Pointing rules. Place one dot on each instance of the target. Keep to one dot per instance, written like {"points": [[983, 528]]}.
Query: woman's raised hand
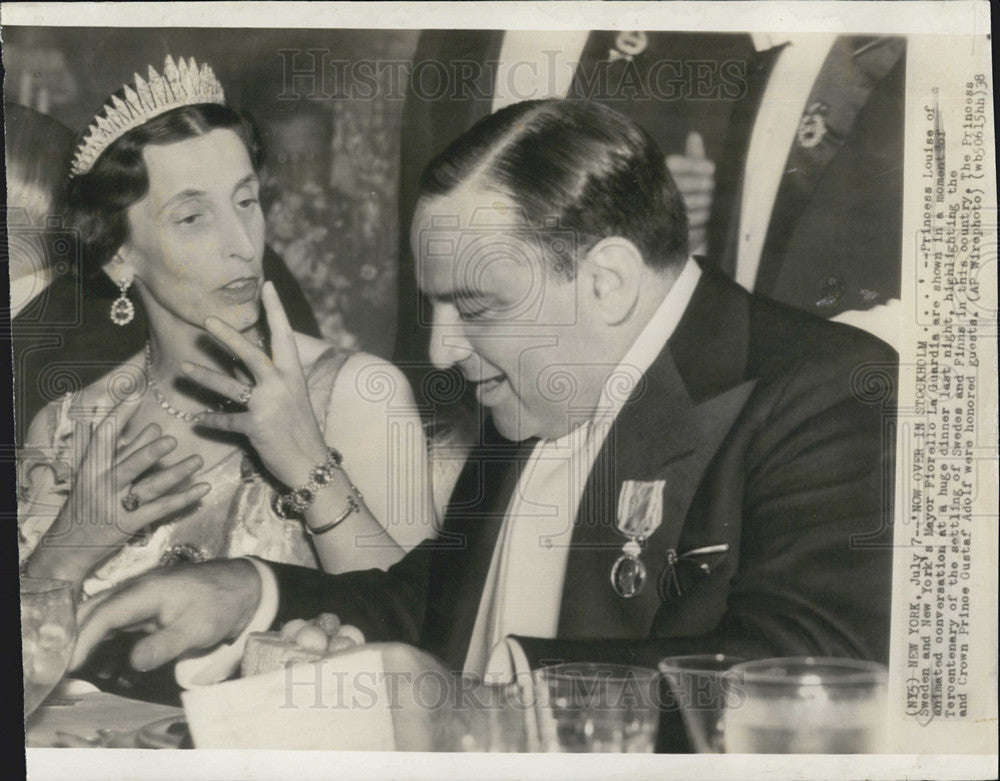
{"points": [[117, 492], [279, 419]]}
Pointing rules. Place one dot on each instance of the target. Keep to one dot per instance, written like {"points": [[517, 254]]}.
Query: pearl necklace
{"points": [[188, 417]]}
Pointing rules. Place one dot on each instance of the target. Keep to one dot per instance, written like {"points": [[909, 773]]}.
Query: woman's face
{"points": [[197, 239]]}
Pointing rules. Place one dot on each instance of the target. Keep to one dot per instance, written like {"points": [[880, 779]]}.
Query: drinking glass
{"points": [[487, 718], [697, 684], [48, 633], [591, 707], [806, 705]]}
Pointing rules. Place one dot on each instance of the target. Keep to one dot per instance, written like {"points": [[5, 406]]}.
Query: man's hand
{"points": [[184, 608], [695, 179]]}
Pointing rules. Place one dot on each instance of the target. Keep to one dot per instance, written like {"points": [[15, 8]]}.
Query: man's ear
{"points": [[613, 271]]}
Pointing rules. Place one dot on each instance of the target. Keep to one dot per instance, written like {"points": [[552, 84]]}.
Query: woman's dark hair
{"points": [[575, 167], [97, 200]]}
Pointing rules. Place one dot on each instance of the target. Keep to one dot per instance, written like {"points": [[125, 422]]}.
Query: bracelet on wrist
{"points": [[291, 504], [353, 506]]}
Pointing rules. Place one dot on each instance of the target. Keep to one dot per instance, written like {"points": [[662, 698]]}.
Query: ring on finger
{"points": [[245, 394], [131, 501]]}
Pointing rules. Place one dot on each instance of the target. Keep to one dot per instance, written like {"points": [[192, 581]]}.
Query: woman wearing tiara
{"points": [[229, 434]]}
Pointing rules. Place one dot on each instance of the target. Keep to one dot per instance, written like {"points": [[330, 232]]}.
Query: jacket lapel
{"points": [[463, 550], [723, 227], [670, 429], [852, 69]]}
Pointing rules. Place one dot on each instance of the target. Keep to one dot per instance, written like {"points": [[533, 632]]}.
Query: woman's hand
{"points": [[94, 522], [279, 421]]}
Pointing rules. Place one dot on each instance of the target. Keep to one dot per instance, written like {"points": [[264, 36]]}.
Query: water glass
{"points": [[591, 707], [48, 634], [487, 718], [806, 705]]}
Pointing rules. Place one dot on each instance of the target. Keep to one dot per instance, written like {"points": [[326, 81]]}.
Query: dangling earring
{"points": [[122, 309]]}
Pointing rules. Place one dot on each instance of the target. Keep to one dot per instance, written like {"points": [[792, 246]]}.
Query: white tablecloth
{"points": [[88, 710]]}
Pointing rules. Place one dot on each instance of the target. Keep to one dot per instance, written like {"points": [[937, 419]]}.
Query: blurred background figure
{"points": [[809, 187], [38, 149]]}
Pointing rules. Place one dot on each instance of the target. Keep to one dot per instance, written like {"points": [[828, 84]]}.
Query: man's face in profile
{"points": [[501, 314]]}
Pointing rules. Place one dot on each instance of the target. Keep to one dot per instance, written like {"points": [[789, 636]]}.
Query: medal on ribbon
{"points": [[640, 513]]}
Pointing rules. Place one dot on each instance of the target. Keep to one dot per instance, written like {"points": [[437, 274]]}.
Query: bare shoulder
{"points": [[363, 379], [370, 380], [310, 348]]}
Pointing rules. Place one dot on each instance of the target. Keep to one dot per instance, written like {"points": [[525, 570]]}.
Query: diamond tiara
{"points": [[183, 84]]}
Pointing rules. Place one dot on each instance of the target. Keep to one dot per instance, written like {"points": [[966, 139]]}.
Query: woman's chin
{"points": [[247, 322], [242, 318]]}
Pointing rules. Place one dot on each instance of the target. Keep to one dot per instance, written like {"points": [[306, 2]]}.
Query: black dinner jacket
{"points": [[772, 431], [834, 240]]}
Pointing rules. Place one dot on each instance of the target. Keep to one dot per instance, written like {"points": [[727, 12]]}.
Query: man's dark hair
{"points": [[97, 200], [574, 164]]}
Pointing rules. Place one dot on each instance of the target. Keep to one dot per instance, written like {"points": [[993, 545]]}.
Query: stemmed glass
{"points": [[48, 634]]}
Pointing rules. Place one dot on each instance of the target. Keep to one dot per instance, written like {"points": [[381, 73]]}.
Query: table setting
{"points": [[393, 697]]}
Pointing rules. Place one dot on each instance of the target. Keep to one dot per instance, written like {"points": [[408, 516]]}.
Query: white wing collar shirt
{"points": [[523, 589]]}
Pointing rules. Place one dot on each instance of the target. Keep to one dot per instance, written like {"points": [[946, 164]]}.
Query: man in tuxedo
{"points": [[668, 465]]}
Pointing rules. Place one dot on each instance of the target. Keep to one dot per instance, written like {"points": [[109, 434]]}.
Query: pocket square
{"points": [[684, 571]]}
